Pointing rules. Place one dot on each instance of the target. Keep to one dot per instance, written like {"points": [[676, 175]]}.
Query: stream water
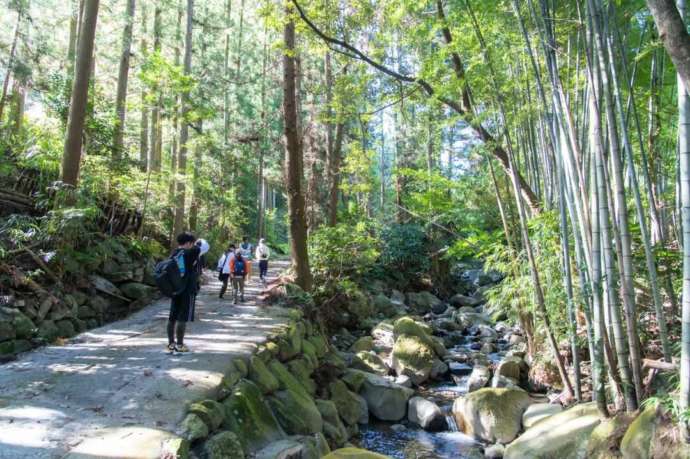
{"points": [[406, 440]]}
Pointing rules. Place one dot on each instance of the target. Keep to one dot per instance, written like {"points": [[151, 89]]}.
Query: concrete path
{"points": [[113, 391]]}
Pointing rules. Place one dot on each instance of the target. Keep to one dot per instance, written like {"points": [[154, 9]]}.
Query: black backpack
{"points": [[168, 277]]}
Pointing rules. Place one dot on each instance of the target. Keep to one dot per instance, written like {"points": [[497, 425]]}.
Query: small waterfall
{"points": [[452, 425]]}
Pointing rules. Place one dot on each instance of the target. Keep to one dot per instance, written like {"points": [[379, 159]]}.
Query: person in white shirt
{"points": [[262, 254], [224, 268]]}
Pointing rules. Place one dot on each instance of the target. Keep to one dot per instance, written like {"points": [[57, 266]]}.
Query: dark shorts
{"points": [[182, 308]]}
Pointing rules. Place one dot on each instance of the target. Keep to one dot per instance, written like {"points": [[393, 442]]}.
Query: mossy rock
{"points": [[604, 441], [564, 435], [241, 366], [408, 326], [285, 379], [194, 428], [296, 412], [368, 361], [230, 378], [385, 399], [322, 444], [22, 345], [354, 453], [175, 448], [334, 360], [309, 354], [48, 331], [383, 305], [301, 370], [210, 411], [223, 445], [250, 418], [492, 415], [23, 326], [259, 374], [351, 407], [290, 343], [637, 441], [365, 343], [413, 357], [65, 328], [7, 348], [7, 330], [333, 427], [320, 344], [353, 379]]}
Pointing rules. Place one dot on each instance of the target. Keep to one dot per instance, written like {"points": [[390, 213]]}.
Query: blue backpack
{"points": [[239, 267]]}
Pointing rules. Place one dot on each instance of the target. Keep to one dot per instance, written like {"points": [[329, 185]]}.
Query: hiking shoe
{"points": [[181, 348], [170, 348], [242, 299], [234, 301]]}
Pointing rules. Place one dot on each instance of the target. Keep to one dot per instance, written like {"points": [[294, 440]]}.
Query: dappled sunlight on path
{"points": [[115, 386]]}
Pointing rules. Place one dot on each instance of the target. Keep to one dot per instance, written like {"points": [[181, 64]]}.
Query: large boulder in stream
{"points": [[426, 414], [422, 302], [369, 361], [458, 300], [413, 358], [492, 415], [408, 326], [564, 435], [386, 400], [539, 411], [479, 378]]}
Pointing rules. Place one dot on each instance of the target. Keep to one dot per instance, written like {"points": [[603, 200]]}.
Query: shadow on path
{"points": [[113, 391]]}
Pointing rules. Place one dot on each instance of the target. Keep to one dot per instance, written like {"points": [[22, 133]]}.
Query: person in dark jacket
{"points": [[182, 305]]}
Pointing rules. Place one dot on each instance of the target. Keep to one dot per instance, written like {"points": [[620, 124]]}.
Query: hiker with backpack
{"points": [[247, 250], [262, 254], [178, 277], [224, 268], [239, 269]]}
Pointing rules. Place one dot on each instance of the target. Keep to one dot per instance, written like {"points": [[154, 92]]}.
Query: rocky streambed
{"points": [[436, 379]]}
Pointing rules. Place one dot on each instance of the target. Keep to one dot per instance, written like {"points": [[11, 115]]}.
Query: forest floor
{"points": [[114, 391]]}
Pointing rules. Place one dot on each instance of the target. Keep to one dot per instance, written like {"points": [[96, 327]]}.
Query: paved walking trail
{"points": [[113, 391]]}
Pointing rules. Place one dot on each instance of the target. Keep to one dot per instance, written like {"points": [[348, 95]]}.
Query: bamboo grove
{"points": [[550, 135]]}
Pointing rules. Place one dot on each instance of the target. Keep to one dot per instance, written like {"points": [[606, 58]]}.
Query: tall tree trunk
{"points": [[296, 205], [176, 111], [263, 141], [122, 77], [536, 278], [684, 160], [10, 61], [673, 34], [184, 127], [71, 159], [155, 133], [619, 199], [334, 173], [144, 125], [226, 75]]}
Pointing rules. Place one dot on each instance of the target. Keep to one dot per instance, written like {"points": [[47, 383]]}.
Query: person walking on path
{"points": [[187, 254], [262, 254], [224, 268], [247, 250], [239, 271]]}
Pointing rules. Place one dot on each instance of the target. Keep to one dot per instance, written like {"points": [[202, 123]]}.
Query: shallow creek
{"points": [[406, 440]]}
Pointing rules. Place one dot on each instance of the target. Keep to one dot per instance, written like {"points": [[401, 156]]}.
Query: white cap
{"points": [[203, 246]]}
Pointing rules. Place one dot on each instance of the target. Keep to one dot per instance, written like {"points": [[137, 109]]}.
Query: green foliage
{"points": [[516, 292], [343, 252], [404, 249]]}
